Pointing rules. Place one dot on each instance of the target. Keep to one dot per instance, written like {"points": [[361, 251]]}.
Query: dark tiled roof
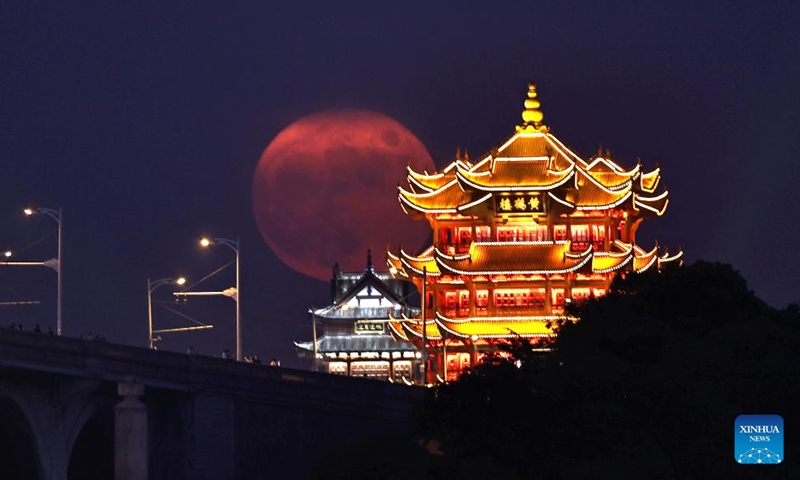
{"points": [[357, 343]]}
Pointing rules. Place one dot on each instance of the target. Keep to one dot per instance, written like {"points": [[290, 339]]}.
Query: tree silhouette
{"points": [[646, 385]]}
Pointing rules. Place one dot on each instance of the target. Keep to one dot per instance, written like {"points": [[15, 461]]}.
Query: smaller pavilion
{"points": [[355, 339]]}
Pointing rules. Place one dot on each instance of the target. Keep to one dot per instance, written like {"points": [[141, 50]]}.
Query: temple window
{"points": [[446, 236], [505, 235], [535, 233], [537, 297], [557, 299], [337, 368], [464, 238], [449, 300], [580, 237], [456, 363], [560, 233], [463, 303], [481, 301], [455, 303], [599, 237], [519, 297], [538, 233], [581, 293]]}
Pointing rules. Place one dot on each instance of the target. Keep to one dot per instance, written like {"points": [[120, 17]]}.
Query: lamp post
{"points": [[424, 312], [233, 245], [57, 216], [151, 286]]}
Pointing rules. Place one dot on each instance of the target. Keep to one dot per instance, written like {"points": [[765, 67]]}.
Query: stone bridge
{"points": [[86, 409]]}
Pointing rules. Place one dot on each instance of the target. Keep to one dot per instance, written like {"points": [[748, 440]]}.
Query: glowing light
{"points": [[28, 211], [476, 202], [536, 278], [205, 242], [462, 177], [666, 258], [7, 254], [180, 281]]}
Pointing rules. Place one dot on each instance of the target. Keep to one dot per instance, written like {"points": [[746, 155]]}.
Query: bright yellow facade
{"points": [[517, 234]]}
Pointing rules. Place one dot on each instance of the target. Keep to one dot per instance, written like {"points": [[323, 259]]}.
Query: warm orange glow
{"points": [[527, 230], [28, 211], [205, 242]]}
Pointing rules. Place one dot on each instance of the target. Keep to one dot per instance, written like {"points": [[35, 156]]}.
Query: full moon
{"points": [[325, 191]]}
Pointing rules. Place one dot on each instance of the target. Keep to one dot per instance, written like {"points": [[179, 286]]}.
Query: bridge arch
{"points": [[19, 449], [91, 442]]}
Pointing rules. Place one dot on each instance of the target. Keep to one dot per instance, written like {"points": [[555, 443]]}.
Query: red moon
{"points": [[325, 191]]}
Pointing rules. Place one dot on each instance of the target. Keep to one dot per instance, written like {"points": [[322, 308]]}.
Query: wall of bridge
{"points": [[205, 418]]}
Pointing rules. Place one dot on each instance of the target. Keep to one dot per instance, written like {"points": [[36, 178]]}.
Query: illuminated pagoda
{"points": [[518, 234], [355, 340]]}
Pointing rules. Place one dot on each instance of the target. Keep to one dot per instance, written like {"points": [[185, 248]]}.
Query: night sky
{"points": [[146, 122]]}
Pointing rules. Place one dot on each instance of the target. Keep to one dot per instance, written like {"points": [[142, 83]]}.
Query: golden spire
{"points": [[532, 115]]}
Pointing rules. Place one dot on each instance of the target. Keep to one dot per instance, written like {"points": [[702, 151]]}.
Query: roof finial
{"points": [[532, 115], [370, 267]]}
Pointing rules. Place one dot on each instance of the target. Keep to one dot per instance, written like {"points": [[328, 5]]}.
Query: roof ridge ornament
{"points": [[532, 115], [370, 267]]}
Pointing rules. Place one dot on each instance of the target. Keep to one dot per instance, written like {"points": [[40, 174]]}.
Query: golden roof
{"points": [[395, 265], [651, 205], [667, 258], [538, 146], [413, 329], [499, 327], [446, 199], [590, 194], [610, 175], [643, 261], [532, 159], [397, 331], [570, 182], [605, 262], [517, 175], [526, 258], [649, 181], [419, 264], [428, 182]]}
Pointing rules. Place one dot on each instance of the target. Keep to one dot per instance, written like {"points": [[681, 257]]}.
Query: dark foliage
{"points": [[646, 385]]}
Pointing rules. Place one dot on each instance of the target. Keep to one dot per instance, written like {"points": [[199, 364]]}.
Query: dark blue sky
{"points": [[146, 123]]}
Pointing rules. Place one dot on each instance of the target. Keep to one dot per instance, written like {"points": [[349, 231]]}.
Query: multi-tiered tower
{"points": [[524, 230]]}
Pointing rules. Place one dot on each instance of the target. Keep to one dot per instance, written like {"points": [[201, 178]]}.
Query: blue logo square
{"points": [[758, 439]]}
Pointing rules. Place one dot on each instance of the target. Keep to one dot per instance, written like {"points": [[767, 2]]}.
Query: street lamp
{"points": [[233, 245], [57, 216], [151, 286]]}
